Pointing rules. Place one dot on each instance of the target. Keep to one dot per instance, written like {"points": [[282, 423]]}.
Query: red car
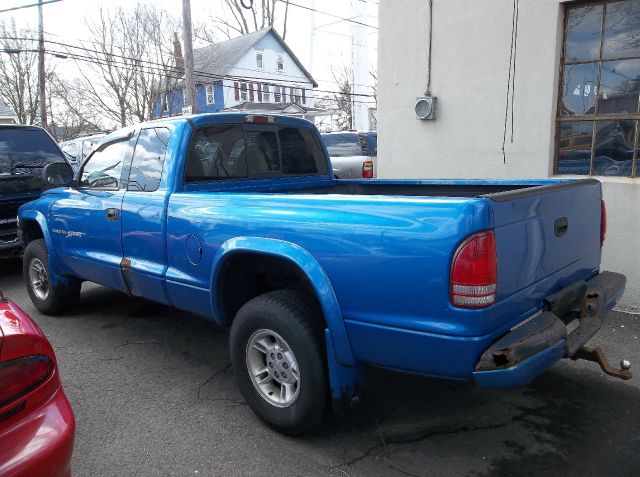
{"points": [[37, 426]]}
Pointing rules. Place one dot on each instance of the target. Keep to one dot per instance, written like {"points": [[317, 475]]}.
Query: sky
{"points": [[64, 21]]}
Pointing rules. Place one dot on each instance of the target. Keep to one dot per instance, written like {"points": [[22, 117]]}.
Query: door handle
{"points": [[113, 214]]}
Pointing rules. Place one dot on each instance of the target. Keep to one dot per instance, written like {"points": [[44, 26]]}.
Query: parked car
{"points": [[24, 151], [237, 218], [36, 421], [76, 150], [353, 154]]}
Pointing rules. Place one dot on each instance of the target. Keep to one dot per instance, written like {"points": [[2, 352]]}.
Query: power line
{"points": [[45, 2], [164, 68], [304, 7]]}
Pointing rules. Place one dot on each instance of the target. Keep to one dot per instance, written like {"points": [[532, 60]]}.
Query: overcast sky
{"points": [[64, 21]]}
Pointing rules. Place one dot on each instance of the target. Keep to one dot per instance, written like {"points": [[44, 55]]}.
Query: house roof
{"points": [[220, 58], [278, 108], [6, 111]]}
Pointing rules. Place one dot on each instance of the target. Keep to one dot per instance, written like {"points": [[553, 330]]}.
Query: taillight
{"points": [[19, 376], [259, 119], [603, 222], [474, 272], [367, 170]]}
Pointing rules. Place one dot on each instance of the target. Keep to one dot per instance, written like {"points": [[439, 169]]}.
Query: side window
{"points": [[301, 153], [71, 150], [262, 152], [216, 152], [104, 169], [148, 159], [342, 144]]}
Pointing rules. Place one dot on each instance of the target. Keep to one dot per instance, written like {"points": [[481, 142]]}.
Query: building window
{"points": [[266, 93], [298, 96], [243, 91], [165, 102], [259, 62], [280, 63], [598, 112], [211, 99], [277, 98]]}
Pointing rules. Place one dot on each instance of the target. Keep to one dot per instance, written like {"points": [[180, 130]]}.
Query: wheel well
{"points": [[246, 275], [30, 231]]}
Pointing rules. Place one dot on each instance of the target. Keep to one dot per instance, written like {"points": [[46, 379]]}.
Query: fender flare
{"points": [[308, 265], [55, 268]]}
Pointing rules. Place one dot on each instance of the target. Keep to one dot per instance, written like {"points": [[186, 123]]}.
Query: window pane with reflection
{"points": [[574, 147], [614, 148], [622, 30], [579, 87], [583, 33]]}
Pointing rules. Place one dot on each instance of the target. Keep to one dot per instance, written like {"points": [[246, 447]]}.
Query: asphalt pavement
{"points": [[153, 394]]}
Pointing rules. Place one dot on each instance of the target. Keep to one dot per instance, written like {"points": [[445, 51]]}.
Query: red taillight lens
{"points": [[603, 222], [474, 272], [19, 376], [259, 119], [367, 170]]}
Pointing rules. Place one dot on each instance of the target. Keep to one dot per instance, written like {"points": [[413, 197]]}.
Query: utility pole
{"points": [[189, 77], [41, 73]]}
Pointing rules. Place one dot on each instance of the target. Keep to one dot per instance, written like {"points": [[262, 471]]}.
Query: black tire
{"points": [[298, 320], [59, 298]]}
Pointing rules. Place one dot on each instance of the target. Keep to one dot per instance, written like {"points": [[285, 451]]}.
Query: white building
{"points": [[575, 89], [7, 114]]}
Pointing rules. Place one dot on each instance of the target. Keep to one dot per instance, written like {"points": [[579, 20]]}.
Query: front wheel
{"points": [[279, 361], [45, 297]]}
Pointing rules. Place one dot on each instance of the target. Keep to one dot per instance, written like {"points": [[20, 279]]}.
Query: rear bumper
{"points": [[40, 443], [535, 345]]}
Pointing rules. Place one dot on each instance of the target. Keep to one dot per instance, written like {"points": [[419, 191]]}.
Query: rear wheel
{"points": [[279, 361], [45, 297]]}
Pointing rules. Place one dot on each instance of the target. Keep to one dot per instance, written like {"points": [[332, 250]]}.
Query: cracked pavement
{"points": [[153, 394]]}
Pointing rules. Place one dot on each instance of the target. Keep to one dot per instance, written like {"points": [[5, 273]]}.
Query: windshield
{"points": [[23, 150]]}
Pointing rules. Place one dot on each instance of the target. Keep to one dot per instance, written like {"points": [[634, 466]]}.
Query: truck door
{"points": [[85, 220], [144, 217]]}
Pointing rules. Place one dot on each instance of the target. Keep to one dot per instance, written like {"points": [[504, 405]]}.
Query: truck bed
{"points": [[494, 190]]}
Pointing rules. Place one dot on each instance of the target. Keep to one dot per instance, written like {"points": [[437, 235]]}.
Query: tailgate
{"points": [[547, 237]]}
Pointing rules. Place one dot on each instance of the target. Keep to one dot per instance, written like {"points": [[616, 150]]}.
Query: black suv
{"points": [[24, 152]]}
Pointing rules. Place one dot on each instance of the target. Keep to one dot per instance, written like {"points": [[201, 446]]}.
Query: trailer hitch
{"points": [[597, 356]]}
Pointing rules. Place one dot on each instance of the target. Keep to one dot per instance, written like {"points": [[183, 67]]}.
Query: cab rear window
{"points": [[223, 152]]}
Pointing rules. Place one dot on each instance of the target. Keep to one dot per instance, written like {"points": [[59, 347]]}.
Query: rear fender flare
{"points": [[309, 266]]}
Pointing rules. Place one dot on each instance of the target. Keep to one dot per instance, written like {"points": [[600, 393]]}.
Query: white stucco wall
{"points": [[470, 65]]}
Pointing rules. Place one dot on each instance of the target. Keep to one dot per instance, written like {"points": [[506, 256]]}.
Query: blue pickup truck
{"points": [[238, 218]]}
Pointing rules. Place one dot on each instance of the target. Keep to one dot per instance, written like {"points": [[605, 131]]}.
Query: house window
{"points": [[243, 91], [280, 63], [266, 93], [165, 102], [277, 98], [600, 85], [210, 95], [298, 96], [259, 62]]}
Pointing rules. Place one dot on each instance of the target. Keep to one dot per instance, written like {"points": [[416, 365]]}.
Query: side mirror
{"points": [[57, 174]]}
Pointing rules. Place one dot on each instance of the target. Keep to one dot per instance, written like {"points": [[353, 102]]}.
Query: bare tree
{"points": [[71, 114], [127, 62], [238, 20], [342, 97], [19, 73]]}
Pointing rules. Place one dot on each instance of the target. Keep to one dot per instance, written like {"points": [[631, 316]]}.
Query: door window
{"points": [[103, 170], [148, 159]]}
